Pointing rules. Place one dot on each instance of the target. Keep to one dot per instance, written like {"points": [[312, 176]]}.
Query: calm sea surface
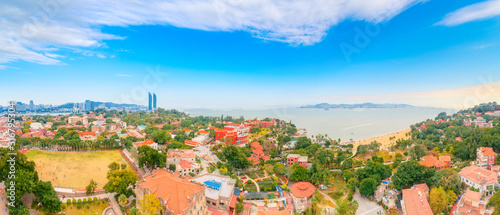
{"points": [[356, 124]]}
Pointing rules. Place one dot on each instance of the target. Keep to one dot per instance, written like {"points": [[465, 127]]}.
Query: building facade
{"points": [[479, 178], [219, 190], [486, 157]]}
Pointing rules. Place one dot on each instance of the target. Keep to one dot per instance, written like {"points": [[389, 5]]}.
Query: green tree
{"points": [[235, 157], [440, 200], [299, 173], [26, 177], [410, 173], [48, 196], [122, 199], [172, 167], [161, 137], [91, 187], [278, 168], [151, 157], [448, 179], [239, 207], [418, 151], [119, 182], [368, 186]]}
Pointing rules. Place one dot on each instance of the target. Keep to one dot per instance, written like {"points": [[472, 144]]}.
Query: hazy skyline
{"points": [[252, 54]]}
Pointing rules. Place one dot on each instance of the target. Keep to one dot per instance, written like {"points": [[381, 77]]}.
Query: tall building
{"points": [[150, 102], [89, 105], [32, 106], [154, 100]]}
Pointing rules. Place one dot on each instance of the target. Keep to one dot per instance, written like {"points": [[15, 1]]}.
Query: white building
{"points": [[479, 178]]}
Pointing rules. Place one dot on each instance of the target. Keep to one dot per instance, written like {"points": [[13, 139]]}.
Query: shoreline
{"points": [[383, 140]]}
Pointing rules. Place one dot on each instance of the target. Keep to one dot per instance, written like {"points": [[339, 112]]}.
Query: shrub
{"points": [[87, 206], [79, 201], [68, 201], [95, 199], [79, 206], [84, 200], [73, 201], [63, 206], [89, 199], [350, 197]]}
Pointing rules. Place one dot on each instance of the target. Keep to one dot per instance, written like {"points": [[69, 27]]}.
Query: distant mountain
{"points": [[363, 105], [97, 104]]}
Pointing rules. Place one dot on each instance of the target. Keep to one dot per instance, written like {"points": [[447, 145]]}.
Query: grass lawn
{"points": [[74, 169]]}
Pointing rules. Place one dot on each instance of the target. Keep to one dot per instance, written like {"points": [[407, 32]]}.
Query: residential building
{"points": [[136, 134], [98, 129], [185, 167], [174, 156], [232, 136], [479, 178], [486, 157], [439, 164], [72, 120], [87, 136], [146, 142], [471, 203], [415, 201], [219, 190], [257, 153], [292, 159], [176, 195]]}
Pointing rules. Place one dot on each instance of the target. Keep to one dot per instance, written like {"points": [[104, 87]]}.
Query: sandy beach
{"points": [[384, 140]]}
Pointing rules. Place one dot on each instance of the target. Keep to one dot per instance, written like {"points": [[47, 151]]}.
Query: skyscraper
{"points": [[32, 106], [154, 101], [150, 107], [89, 105]]}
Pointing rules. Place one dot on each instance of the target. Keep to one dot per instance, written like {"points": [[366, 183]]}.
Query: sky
{"points": [[251, 54]]}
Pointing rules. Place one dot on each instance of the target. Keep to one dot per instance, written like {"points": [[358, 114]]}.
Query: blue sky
{"points": [[245, 55]]}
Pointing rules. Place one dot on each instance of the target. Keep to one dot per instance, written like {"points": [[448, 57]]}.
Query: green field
{"points": [[74, 169]]}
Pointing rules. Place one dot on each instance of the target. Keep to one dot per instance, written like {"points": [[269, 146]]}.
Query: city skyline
{"points": [[352, 51]]}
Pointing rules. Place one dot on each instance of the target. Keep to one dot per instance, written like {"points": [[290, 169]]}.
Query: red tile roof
{"points": [[302, 189], [176, 193], [479, 175], [416, 202], [487, 151], [146, 142]]}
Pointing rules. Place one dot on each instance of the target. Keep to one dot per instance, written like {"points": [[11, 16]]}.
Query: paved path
{"points": [[366, 207], [111, 196], [328, 197], [256, 185]]}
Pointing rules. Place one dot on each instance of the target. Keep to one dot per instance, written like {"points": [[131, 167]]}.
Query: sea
{"points": [[346, 124]]}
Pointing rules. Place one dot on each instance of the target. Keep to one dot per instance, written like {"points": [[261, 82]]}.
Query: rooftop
{"points": [[225, 189], [416, 202], [302, 189], [479, 175]]}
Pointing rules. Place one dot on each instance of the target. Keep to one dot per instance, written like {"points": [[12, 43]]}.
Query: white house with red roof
{"points": [[479, 178], [87, 136]]}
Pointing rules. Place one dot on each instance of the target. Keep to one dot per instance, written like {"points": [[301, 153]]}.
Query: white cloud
{"points": [[474, 12], [29, 28]]}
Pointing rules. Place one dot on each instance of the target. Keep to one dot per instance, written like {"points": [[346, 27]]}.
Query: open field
{"points": [[385, 141], [74, 169]]}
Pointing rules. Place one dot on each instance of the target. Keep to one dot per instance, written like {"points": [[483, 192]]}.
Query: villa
{"points": [[479, 178], [175, 156], [167, 187], [486, 157], [415, 201], [438, 164], [292, 159], [146, 142]]}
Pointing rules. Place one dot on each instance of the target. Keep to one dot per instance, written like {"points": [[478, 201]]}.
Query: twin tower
{"points": [[152, 102]]}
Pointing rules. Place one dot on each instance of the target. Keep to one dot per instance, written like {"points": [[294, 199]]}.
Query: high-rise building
{"points": [[154, 101], [32, 106], [89, 105], [150, 102]]}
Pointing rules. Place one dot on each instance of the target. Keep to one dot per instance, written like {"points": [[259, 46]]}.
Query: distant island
{"points": [[363, 105]]}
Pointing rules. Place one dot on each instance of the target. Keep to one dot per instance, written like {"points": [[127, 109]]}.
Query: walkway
{"points": [[256, 185], [328, 197], [110, 196]]}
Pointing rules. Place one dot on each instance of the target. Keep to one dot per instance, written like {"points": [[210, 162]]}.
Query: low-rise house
{"points": [[219, 190], [415, 201], [176, 195], [471, 203], [185, 167], [146, 142], [257, 153], [479, 178], [384, 194], [175, 156], [87, 136], [486, 157], [136, 134], [292, 159], [439, 164]]}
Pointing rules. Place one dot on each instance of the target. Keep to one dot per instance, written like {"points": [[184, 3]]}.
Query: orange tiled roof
{"points": [[479, 175], [303, 189], [176, 193], [285, 212], [203, 132], [487, 151], [145, 142], [87, 133], [185, 164], [416, 202]]}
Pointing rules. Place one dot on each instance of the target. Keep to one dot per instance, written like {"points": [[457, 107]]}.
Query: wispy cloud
{"points": [[478, 11], [33, 27], [483, 46], [123, 75]]}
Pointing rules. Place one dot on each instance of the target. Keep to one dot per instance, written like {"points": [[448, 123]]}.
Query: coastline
{"points": [[383, 140]]}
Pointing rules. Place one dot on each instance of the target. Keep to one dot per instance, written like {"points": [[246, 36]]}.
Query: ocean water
{"points": [[346, 124]]}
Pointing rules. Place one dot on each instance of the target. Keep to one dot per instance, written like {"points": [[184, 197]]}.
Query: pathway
{"points": [[328, 197], [256, 185], [110, 196]]}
